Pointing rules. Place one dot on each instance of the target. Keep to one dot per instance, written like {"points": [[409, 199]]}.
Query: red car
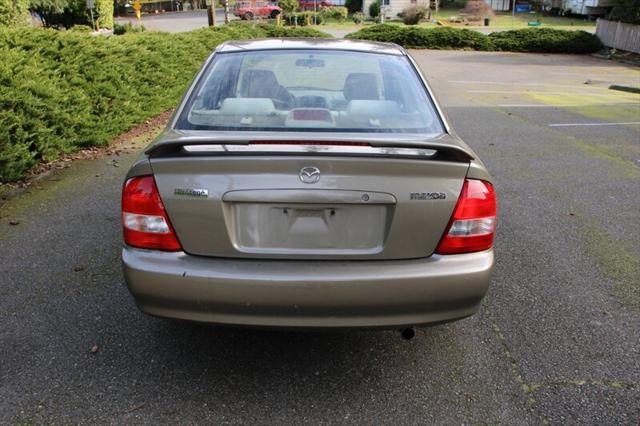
{"points": [[310, 5], [256, 9]]}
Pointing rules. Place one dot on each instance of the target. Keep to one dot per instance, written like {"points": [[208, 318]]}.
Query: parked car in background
{"points": [[310, 184], [310, 5], [256, 9]]}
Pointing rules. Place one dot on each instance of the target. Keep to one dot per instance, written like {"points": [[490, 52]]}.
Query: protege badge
{"points": [[428, 196], [192, 192]]}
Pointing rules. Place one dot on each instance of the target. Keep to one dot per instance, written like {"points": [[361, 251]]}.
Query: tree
{"points": [[104, 9], [354, 6], [288, 6], [61, 13], [627, 11], [13, 12], [374, 9]]}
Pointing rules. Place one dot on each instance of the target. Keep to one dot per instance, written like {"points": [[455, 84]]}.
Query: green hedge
{"points": [[14, 12], [64, 90], [546, 40], [524, 40], [425, 38]]}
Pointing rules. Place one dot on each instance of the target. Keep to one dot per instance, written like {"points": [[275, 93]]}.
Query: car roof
{"points": [[310, 43]]}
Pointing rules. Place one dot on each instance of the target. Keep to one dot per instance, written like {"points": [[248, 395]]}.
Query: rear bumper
{"points": [[310, 294]]}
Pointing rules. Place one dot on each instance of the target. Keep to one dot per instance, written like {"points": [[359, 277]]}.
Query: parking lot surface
{"points": [[556, 340]]}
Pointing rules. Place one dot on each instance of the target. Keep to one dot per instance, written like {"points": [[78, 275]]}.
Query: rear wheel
{"points": [[274, 14], [248, 16]]}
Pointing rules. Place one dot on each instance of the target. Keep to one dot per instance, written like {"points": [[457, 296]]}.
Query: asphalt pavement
{"points": [[556, 340]]}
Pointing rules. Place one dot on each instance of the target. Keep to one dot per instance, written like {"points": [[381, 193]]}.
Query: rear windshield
{"points": [[310, 90]]}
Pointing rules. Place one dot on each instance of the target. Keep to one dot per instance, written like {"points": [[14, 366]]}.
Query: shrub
{"points": [[14, 12], [62, 13], [425, 38], [304, 18], [64, 90], [81, 29], [337, 12], [358, 18], [543, 40], [627, 11], [374, 9], [478, 9], [412, 15], [281, 32], [546, 40], [119, 29]]}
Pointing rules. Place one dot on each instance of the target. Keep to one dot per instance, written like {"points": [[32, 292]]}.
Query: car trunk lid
{"points": [[308, 200]]}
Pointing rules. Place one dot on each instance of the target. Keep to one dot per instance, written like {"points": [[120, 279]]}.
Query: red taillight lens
{"points": [[473, 223], [144, 220]]}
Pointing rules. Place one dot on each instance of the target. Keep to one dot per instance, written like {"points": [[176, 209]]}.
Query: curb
{"points": [[620, 88]]}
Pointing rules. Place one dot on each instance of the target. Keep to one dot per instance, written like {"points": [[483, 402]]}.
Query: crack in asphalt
{"points": [[516, 375]]}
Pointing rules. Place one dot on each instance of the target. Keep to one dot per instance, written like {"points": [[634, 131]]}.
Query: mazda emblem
{"points": [[309, 174]]}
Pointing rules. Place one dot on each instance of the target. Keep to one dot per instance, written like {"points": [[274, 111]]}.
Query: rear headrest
{"points": [[360, 85], [259, 84], [247, 106]]}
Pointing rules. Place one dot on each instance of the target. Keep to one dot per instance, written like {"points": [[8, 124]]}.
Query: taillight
{"points": [[144, 220], [473, 222]]}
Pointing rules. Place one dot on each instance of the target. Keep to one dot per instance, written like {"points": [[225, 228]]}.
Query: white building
{"points": [[394, 7], [588, 7]]}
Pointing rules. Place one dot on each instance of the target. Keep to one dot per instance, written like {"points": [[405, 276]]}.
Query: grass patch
{"points": [[502, 20], [62, 91], [616, 260], [520, 20]]}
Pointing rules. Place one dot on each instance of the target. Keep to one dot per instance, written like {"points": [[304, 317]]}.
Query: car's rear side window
{"points": [[315, 90]]}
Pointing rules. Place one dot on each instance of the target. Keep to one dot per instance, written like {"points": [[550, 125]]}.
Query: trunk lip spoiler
{"points": [[175, 147]]}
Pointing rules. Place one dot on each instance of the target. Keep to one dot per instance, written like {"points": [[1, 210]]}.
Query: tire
{"points": [[248, 16], [274, 14]]}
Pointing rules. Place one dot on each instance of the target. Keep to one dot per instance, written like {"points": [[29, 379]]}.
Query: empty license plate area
{"points": [[322, 229]]}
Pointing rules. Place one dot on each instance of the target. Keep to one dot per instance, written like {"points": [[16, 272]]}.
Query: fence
{"points": [[619, 35]]}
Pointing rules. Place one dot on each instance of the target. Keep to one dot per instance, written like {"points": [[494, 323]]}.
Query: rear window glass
{"points": [[310, 90]]}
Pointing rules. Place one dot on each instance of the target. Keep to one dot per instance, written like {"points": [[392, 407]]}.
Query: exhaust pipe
{"points": [[408, 333]]}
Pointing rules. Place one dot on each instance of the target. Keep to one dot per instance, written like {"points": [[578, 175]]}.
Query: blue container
{"points": [[523, 8]]}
